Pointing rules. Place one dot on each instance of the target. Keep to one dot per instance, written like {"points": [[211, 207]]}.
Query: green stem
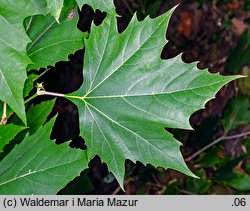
{"points": [[216, 142], [38, 93], [31, 98], [74, 97], [45, 71], [128, 7]]}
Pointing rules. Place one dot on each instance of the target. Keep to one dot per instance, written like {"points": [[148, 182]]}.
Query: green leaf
{"points": [[39, 166], [172, 188], [51, 41], [240, 55], [130, 95], [227, 175], [7, 133], [198, 186], [103, 5], [237, 114], [55, 7], [13, 56], [247, 168], [211, 158], [13, 63], [38, 114]]}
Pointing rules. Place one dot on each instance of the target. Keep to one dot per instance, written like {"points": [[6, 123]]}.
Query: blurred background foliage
{"points": [[214, 32]]}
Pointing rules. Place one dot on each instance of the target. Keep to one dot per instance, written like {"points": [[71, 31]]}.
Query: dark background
{"points": [[213, 32]]}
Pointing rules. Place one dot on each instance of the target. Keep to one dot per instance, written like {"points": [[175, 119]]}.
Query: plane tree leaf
{"points": [[13, 63], [51, 41], [130, 95], [237, 113], [103, 5], [38, 166], [13, 56], [228, 175]]}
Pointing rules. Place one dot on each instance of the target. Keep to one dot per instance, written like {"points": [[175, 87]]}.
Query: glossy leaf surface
{"points": [[130, 95]]}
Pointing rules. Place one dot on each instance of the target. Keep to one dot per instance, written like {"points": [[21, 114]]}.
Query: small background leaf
{"points": [[237, 114], [13, 56], [228, 175], [239, 56]]}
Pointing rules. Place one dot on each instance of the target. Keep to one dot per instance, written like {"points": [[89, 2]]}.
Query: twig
{"points": [[45, 71], [41, 91], [215, 142], [186, 192], [50, 93], [128, 7], [116, 191], [4, 115]]}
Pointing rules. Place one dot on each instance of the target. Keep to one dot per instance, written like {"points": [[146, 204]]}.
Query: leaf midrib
{"points": [[153, 94]]}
